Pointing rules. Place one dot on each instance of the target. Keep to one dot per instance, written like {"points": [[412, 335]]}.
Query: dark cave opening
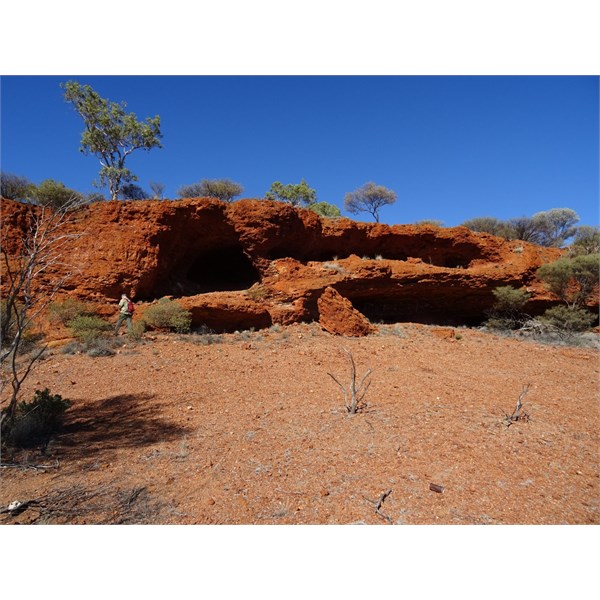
{"points": [[222, 270], [429, 311]]}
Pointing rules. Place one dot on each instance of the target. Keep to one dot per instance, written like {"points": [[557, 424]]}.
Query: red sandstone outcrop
{"points": [[253, 263], [338, 316]]}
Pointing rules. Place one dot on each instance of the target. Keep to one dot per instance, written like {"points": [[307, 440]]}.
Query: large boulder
{"points": [[338, 316]]}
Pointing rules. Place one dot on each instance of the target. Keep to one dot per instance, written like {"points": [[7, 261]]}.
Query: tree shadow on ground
{"points": [[124, 421]]}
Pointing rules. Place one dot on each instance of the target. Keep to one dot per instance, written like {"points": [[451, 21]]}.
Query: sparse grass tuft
{"points": [[257, 292]]}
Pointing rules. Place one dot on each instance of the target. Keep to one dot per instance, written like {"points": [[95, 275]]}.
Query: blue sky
{"points": [[452, 148]]}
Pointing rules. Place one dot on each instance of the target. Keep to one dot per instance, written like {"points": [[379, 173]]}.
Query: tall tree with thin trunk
{"points": [[111, 134]]}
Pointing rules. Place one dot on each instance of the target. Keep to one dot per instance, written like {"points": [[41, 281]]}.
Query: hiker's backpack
{"points": [[130, 307]]}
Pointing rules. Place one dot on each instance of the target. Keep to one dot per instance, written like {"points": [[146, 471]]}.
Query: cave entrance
{"points": [[222, 270], [431, 310]]}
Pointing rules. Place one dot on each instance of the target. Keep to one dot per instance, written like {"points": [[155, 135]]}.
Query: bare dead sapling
{"points": [[517, 415], [354, 393], [40, 252]]}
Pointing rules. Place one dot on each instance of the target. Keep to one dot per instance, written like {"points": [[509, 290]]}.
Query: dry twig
{"points": [[354, 394], [510, 419], [379, 503]]}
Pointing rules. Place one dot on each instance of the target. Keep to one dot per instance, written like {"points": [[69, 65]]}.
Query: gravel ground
{"points": [[250, 428]]}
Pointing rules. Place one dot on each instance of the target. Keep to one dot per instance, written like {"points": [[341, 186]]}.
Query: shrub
{"points": [[88, 327], [572, 280], [507, 310], [54, 194], [223, 189], [131, 191], [14, 187], [490, 225], [586, 241], [37, 420], [168, 314], [63, 311], [325, 209], [568, 320], [137, 330], [430, 222], [296, 194]]}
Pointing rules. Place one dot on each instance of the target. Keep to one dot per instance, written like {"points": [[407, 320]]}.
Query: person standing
{"points": [[125, 314]]}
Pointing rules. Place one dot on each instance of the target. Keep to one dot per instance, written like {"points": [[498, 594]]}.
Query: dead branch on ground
{"points": [[517, 415], [379, 503]]}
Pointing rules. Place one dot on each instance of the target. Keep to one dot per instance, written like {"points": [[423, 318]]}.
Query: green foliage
{"points": [[222, 189], [507, 310], [54, 194], [490, 225], [369, 198], [568, 320], [63, 311], [510, 299], [586, 241], [168, 314], [14, 187], [325, 209], [111, 134], [555, 226], [572, 280], [547, 228], [37, 420], [296, 194], [137, 330], [88, 327]]}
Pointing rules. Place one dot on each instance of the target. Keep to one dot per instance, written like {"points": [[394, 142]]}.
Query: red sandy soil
{"points": [[253, 430]]}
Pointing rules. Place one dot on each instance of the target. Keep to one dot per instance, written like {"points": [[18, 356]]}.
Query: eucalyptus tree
{"points": [[111, 134]]}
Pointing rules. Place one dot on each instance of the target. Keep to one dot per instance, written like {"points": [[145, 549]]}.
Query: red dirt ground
{"points": [[253, 430]]}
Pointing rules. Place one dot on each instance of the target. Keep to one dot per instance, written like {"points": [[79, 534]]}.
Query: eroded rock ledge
{"points": [[254, 262]]}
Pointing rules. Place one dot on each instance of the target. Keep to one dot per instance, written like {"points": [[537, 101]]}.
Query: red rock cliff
{"points": [[254, 262]]}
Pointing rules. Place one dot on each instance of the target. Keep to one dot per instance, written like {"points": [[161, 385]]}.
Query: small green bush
{"points": [[168, 314], [63, 311], [37, 420], [568, 320], [137, 330], [507, 310], [88, 327]]}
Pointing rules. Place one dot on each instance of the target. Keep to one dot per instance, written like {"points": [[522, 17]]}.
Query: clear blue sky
{"points": [[452, 148]]}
